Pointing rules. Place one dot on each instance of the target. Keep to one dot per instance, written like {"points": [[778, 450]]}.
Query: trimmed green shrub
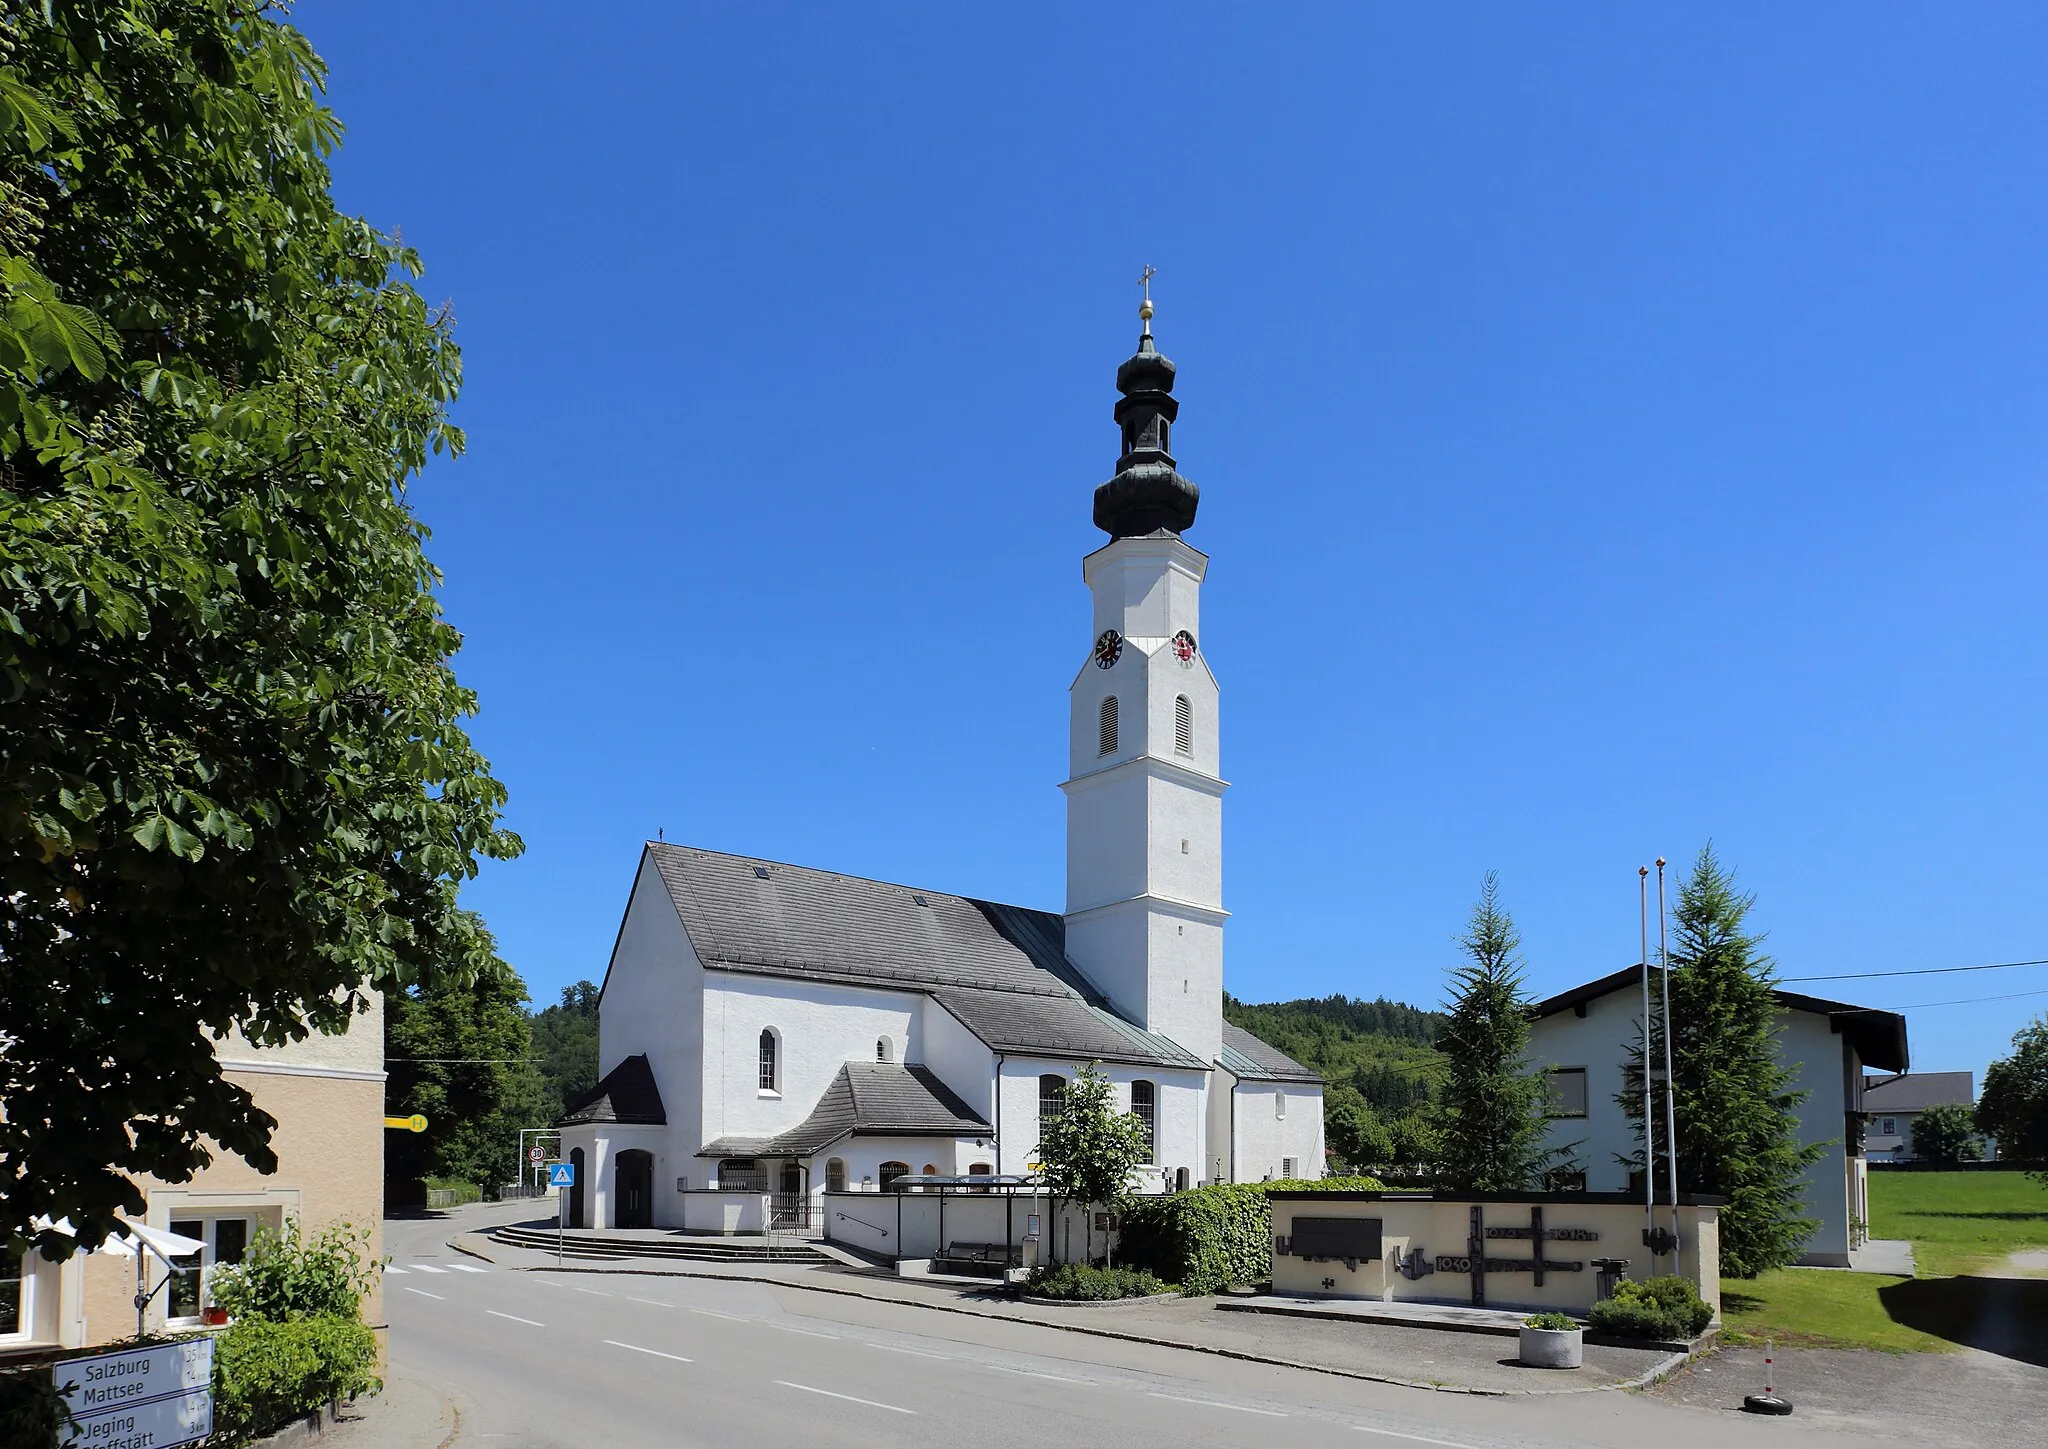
{"points": [[1665, 1308], [1097, 1285], [1211, 1237], [283, 1276], [1558, 1321], [267, 1374]]}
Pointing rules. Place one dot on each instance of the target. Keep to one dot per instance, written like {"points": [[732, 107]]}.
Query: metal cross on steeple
{"points": [[1145, 308]]}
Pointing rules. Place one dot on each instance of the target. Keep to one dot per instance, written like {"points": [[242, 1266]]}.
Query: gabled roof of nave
{"points": [[1001, 970]]}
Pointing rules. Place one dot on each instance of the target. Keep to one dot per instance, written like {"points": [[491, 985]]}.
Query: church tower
{"points": [[1144, 798]]}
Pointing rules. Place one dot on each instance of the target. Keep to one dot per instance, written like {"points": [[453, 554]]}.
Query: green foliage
{"points": [[1738, 1134], [1947, 1133], [284, 1276], [1658, 1308], [1210, 1238], [565, 1042], [266, 1374], [1491, 1120], [2013, 1107], [1090, 1150], [457, 1191], [33, 1414], [236, 790], [478, 1094], [1558, 1322], [1083, 1284]]}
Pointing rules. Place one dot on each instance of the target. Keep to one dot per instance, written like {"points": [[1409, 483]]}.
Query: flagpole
{"points": [[1649, 1107], [1670, 1092]]}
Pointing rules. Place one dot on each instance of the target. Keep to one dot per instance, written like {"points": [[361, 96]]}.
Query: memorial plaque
{"points": [[1351, 1238]]}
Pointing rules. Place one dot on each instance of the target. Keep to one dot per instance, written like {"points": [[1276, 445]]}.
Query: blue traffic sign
{"points": [[561, 1174]]}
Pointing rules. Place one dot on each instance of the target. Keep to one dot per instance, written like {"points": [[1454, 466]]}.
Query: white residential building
{"points": [[1582, 1037], [793, 1030]]}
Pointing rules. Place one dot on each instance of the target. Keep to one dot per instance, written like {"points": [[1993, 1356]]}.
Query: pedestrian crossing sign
{"points": [[561, 1174]]}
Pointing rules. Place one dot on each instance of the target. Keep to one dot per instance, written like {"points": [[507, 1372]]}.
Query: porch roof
{"points": [[866, 1099]]}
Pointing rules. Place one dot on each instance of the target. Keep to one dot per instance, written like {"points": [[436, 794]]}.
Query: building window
{"points": [[1567, 1091], [1887, 1127], [1287, 1168], [226, 1240], [14, 1308], [981, 1169], [889, 1172], [1279, 1105], [1145, 1105], [1183, 726], [768, 1060], [1052, 1097], [931, 1169], [1107, 745], [835, 1175], [883, 1051]]}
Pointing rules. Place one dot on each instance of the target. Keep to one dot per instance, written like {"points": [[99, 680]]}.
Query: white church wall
{"points": [[959, 1058], [1178, 1098], [1221, 1127], [1276, 1121], [653, 1005], [1109, 945], [1106, 834], [820, 1026], [1186, 838], [1146, 588]]}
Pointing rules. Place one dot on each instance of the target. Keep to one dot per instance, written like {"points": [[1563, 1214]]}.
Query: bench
{"points": [[980, 1259]]}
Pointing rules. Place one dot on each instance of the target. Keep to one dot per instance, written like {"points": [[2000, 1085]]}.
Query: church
{"points": [[781, 1029]]}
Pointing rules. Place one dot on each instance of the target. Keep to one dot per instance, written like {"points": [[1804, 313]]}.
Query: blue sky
{"points": [[1618, 428]]}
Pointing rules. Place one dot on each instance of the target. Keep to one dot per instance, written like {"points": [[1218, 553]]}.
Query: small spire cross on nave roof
{"points": [[1145, 307]]}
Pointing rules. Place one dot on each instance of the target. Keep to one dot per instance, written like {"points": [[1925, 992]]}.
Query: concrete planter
{"points": [[1554, 1348]]}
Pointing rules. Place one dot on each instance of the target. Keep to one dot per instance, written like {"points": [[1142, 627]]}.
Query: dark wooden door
{"points": [[576, 1189], [635, 1176]]}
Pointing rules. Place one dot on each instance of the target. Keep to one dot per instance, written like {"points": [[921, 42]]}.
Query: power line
{"points": [[1923, 971], [1967, 1001]]}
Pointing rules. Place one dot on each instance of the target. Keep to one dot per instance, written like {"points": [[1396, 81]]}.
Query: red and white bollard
{"points": [[1768, 1401]]}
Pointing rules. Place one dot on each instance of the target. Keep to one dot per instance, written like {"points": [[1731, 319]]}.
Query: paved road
{"points": [[547, 1361]]}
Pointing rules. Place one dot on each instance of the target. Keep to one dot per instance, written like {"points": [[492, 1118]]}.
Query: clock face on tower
{"points": [[1108, 649], [1184, 649]]}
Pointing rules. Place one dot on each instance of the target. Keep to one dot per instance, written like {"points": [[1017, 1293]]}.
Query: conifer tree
{"points": [[1738, 1133], [1491, 1119]]}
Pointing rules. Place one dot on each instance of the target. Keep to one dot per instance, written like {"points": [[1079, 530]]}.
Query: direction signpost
{"points": [[140, 1398], [561, 1177]]}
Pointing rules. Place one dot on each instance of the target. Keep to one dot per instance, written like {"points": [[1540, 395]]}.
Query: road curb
{"points": [[1654, 1374]]}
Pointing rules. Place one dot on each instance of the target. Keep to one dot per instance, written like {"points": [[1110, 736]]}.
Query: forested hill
{"points": [[1383, 1050]]}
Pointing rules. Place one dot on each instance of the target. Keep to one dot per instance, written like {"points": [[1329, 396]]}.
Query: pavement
{"points": [[487, 1356]]}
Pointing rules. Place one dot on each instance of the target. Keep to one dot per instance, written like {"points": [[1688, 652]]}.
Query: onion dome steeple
{"points": [[1147, 494]]}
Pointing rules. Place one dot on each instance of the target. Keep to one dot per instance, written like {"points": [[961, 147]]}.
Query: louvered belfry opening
{"points": [[1183, 725], [1108, 740]]}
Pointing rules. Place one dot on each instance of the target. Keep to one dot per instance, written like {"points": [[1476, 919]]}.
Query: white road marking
{"points": [[893, 1348], [1219, 1404], [714, 1313], [651, 1302], [636, 1348], [427, 1268], [424, 1293], [1032, 1374], [515, 1318], [466, 1268], [806, 1388], [1411, 1438], [806, 1332], [593, 1292], [399, 1271]]}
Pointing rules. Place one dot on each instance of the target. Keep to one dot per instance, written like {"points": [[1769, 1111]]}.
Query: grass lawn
{"points": [[1956, 1221]]}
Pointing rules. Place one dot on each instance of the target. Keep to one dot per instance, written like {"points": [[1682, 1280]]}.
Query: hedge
{"points": [[266, 1374], [1656, 1308], [1211, 1237], [1081, 1284]]}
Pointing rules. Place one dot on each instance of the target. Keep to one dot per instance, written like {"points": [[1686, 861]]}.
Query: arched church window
{"points": [[1108, 730], [769, 1061], [1183, 725], [835, 1174], [1280, 1105], [883, 1051], [1145, 1106], [888, 1172], [1052, 1097]]}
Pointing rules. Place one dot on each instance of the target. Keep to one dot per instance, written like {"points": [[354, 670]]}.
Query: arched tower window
{"points": [[1052, 1097], [1108, 737], [770, 1061], [883, 1051], [1183, 725], [1145, 1105]]}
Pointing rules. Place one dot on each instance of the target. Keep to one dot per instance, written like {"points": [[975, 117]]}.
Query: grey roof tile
{"points": [[1917, 1091], [1002, 970], [866, 1099], [1247, 1058], [626, 1095]]}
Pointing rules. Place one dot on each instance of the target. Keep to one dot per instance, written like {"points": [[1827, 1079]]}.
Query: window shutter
{"points": [[1183, 725], [1108, 743]]}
